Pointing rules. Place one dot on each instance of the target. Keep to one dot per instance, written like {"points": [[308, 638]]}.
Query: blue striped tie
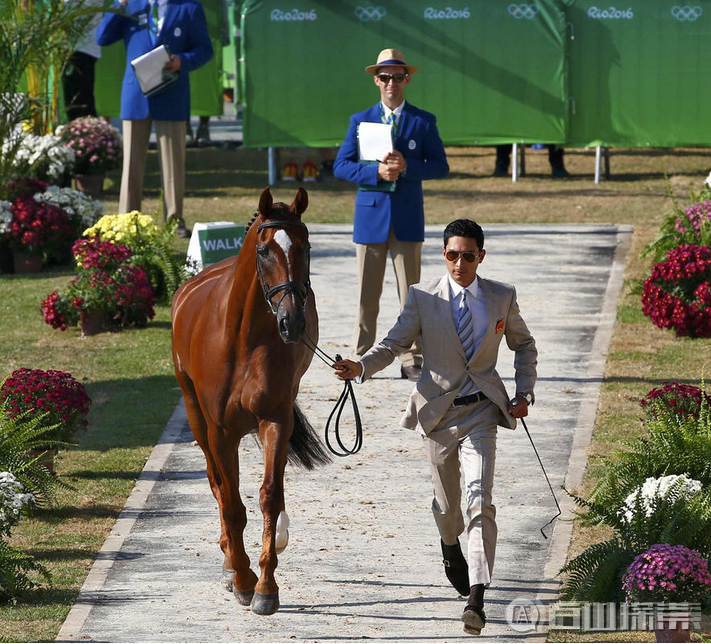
{"points": [[465, 329]]}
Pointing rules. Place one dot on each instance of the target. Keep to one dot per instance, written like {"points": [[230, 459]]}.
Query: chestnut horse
{"points": [[238, 359]]}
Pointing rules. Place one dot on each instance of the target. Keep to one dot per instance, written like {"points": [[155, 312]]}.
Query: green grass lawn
{"points": [[129, 374]]}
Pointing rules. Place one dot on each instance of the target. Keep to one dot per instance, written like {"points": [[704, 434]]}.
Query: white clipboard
{"points": [[375, 141], [151, 73]]}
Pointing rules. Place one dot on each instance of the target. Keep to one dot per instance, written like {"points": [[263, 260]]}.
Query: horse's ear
{"points": [[301, 202], [265, 202]]}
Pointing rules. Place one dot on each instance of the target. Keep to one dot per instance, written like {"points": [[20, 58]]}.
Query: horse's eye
{"points": [[262, 251]]}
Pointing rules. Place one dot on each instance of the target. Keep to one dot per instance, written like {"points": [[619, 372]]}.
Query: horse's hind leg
{"points": [[275, 438]]}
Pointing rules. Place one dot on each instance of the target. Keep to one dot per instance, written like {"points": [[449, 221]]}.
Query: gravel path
{"points": [[364, 561]]}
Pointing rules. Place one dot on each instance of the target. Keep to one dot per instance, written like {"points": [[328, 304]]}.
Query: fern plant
{"points": [[19, 436], [596, 574], [15, 567]]}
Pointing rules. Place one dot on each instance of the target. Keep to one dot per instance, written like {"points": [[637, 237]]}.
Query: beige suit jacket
{"points": [[428, 314]]}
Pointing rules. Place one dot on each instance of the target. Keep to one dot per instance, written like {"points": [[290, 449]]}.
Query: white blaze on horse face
{"points": [[282, 238], [282, 530]]}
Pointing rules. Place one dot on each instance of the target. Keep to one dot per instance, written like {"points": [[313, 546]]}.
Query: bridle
{"points": [[299, 288]]}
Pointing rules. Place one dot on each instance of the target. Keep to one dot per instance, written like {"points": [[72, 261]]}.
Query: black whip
{"points": [[338, 408], [547, 479]]}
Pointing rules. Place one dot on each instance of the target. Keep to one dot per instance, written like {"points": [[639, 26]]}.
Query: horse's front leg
{"points": [[274, 435]]}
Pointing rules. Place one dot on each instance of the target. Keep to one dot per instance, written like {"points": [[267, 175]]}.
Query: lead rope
{"points": [[340, 405], [547, 479]]}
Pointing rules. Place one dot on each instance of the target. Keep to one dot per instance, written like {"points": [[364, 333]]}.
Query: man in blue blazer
{"points": [[389, 208], [144, 25]]}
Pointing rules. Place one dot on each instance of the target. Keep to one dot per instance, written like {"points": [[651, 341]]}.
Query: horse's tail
{"points": [[305, 447]]}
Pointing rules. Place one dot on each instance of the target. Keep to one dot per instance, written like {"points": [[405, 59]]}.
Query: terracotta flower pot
{"points": [[676, 628], [90, 184], [24, 263], [46, 457], [93, 322]]}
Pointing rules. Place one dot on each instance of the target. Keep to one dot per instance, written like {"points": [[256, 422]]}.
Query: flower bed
{"points": [[677, 295], [106, 281], [683, 400], [33, 392], [41, 157]]}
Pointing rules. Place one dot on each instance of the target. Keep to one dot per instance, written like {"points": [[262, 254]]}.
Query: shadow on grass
{"points": [[59, 514]]}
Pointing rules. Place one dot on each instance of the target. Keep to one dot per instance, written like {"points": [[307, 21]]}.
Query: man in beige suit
{"points": [[460, 400]]}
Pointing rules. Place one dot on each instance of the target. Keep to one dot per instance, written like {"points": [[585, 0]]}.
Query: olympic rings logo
{"points": [[370, 14], [686, 13], [524, 11]]}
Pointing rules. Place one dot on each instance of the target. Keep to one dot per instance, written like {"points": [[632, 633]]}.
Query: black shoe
{"points": [[413, 372], [559, 172], [455, 567], [500, 171], [183, 232], [474, 619]]}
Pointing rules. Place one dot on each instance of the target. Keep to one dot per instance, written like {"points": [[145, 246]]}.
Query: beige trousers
{"points": [[372, 259], [467, 436], [171, 153]]}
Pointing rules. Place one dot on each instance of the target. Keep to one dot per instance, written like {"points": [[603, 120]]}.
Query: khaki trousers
{"points": [[171, 153], [467, 436], [372, 259]]}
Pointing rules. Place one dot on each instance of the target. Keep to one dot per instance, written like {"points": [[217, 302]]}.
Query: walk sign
{"points": [[211, 242]]}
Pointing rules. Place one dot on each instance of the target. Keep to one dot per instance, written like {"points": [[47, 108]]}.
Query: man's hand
{"points": [[347, 369], [392, 166], [173, 65], [518, 407]]}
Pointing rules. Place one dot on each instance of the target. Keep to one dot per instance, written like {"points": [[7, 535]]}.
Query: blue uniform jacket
{"points": [[419, 142], [184, 32]]}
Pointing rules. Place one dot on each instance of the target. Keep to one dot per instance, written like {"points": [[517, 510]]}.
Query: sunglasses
{"points": [[469, 256], [386, 78]]}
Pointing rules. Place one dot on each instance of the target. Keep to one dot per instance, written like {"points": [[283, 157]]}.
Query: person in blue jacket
{"points": [[144, 25], [389, 207]]}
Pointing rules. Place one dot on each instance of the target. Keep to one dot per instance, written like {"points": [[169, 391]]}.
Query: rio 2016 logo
{"points": [[447, 14], [524, 11], [683, 14], [610, 14], [370, 14], [293, 15]]}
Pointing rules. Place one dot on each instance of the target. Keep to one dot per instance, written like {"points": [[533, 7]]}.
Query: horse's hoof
{"points": [[227, 579], [244, 597], [265, 604]]}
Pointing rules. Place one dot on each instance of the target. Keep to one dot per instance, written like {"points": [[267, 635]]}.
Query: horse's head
{"points": [[283, 261]]}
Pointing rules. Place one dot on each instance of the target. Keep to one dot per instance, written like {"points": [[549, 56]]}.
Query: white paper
{"points": [[375, 141], [149, 68]]}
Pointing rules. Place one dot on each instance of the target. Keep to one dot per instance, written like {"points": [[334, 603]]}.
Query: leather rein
{"points": [[302, 289]]}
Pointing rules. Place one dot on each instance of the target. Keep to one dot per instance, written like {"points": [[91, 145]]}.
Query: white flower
{"points": [[669, 488], [74, 203], [707, 183], [13, 499], [5, 216], [44, 157]]}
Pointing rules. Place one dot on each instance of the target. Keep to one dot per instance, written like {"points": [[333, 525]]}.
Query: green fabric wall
{"points": [[488, 73]]}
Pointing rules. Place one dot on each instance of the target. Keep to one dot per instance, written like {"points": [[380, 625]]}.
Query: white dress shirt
{"points": [[162, 6]]}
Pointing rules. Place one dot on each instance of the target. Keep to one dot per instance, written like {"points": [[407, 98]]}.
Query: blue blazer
{"points": [[375, 212], [184, 32]]}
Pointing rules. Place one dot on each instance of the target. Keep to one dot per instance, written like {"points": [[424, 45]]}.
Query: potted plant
{"points": [[43, 157], [34, 392], [108, 293], [681, 399], [677, 294], [35, 231], [668, 574], [150, 247], [97, 147]]}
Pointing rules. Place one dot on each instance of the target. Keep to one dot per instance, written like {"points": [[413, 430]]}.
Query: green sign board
{"points": [[220, 243]]}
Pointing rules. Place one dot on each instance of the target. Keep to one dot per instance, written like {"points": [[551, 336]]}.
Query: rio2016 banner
{"points": [[491, 71], [575, 72]]}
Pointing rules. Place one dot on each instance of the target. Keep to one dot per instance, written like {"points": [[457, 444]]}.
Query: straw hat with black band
{"points": [[389, 57]]}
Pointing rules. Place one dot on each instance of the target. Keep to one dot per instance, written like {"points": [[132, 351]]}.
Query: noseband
{"points": [[300, 288]]}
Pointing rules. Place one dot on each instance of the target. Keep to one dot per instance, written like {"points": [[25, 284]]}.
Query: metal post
{"points": [[272, 153], [514, 163], [598, 163]]}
